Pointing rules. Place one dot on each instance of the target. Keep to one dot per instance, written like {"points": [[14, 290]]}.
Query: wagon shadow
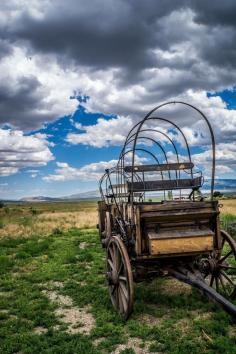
{"points": [[169, 297]]}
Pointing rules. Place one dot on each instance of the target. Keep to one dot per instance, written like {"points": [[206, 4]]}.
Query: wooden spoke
{"points": [[120, 276], [217, 283], [124, 290], [226, 256], [227, 267], [212, 280], [111, 264], [227, 277], [222, 284]]}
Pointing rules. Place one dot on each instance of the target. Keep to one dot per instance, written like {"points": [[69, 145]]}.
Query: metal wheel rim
{"points": [[118, 262]]}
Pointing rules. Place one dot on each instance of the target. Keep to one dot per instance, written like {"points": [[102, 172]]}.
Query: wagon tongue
{"points": [[198, 282]]}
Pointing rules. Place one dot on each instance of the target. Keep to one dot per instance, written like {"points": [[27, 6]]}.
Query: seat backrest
{"points": [[160, 167], [159, 185]]}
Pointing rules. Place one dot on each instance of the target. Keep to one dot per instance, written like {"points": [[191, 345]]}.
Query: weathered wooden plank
{"points": [[179, 213], [160, 167], [176, 225], [171, 184], [175, 217], [121, 185], [175, 206], [194, 232], [180, 245]]}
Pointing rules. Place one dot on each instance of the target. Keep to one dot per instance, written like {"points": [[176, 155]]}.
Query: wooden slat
{"points": [[194, 232], [121, 185], [170, 184], [175, 206], [179, 213], [181, 245], [167, 217], [160, 167], [126, 195]]}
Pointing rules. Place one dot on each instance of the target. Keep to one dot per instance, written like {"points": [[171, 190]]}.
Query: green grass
{"points": [[228, 222], [181, 321]]}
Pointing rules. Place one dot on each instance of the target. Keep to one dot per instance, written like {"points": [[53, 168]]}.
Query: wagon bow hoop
{"points": [[148, 116]]}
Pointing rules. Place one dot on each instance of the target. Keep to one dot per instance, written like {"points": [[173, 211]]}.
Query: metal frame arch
{"points": [[209, 127], [121, 159], [162, 133], [164, 120]]}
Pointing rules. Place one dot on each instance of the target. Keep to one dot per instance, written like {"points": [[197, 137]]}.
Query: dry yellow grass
{"points": [[47, 222], [229, 206], [63, 217]]}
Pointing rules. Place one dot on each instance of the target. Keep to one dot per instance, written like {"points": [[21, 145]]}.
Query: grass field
{"points": [[54, 299], [26, 219]]}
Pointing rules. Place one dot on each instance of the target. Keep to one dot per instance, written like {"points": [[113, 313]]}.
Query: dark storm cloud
{"points": [[5, 49], [217, 12], [130, 35], [96, 34], [104, 34], [19, 102]]}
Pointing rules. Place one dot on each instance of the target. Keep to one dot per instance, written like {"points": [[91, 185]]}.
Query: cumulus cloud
{"points": [[103, 133], [125, 55], [31, 92], [114, 131], [91, 172], [18, 151]]}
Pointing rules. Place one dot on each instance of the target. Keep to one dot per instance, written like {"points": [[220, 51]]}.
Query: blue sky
{"points": [[30, 181], [75, 77]]}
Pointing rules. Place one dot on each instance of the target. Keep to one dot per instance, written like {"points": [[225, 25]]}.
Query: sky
{"points": [[75, 76]]}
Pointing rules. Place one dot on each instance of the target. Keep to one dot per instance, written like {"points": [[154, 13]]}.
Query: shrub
{"points": [[57, 231], [26, 221], [33, 211], [6, 210]]}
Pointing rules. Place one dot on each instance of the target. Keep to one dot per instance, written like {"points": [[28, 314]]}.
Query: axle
{"points": [[198, 282]]}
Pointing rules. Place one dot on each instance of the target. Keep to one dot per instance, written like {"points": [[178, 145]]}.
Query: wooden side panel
{"points": [[180, 245]]}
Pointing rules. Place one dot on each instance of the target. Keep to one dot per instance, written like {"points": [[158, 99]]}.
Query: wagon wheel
{"points": [[223, 275], [120, 277]]}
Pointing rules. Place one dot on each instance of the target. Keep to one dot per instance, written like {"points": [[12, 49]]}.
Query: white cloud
{"points": [[18, 151], [103, 133], [89, 172]]}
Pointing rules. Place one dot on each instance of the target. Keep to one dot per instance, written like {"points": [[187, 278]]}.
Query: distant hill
{"points": [[223, 185], [84, 195], [91, 195], [39, 199]]}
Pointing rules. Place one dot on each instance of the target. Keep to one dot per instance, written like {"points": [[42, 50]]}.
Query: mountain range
{"points": [[222, 185]]}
